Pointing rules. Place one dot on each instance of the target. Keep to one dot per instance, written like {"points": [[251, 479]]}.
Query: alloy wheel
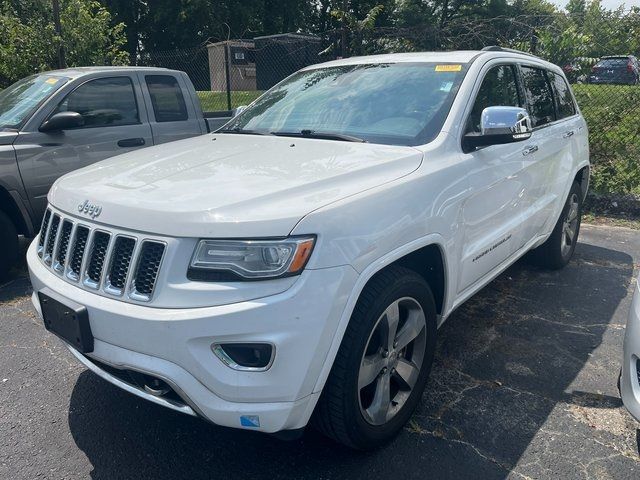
{"points": [[570, 226], [392, 360]]}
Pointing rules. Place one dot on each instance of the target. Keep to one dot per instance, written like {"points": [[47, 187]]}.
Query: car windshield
{"points": [[389, 103], [21, 99]]}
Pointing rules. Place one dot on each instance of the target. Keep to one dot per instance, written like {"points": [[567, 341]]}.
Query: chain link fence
{"points": [[234, 72], [231, 73]]}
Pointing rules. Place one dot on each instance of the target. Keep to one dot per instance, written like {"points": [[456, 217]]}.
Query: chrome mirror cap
{"points": [[505, 120]]}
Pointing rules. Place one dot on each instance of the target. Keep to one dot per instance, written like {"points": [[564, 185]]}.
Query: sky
{"points": [[608, 4]]}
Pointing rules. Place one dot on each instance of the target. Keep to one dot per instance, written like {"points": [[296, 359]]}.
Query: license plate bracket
{"points": [[66, 319]]}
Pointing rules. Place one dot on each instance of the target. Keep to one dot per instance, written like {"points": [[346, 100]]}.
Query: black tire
{"points": [[8, 245], [557, 251], [339, 411]]}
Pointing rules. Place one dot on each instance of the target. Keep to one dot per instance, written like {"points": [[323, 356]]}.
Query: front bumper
{"points": [[175, 345], [630, 379]]}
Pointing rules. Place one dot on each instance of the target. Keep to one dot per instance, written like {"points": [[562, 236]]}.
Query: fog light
{"points": [[253, 357]]}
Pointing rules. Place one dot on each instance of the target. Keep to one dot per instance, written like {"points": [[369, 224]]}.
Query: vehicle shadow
{"points": [[505, 360], [17, 283]]}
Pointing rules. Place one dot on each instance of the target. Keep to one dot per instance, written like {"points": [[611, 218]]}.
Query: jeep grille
{"points": [[101, 260]]}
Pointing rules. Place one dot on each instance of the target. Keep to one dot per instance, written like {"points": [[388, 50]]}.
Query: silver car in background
{"points": [[630, 377]]}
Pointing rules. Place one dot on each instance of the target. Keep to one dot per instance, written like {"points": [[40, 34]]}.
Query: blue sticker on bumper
{"points": [[250, 421]]}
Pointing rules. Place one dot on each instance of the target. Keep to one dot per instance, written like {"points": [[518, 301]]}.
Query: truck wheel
{"points": [[556, 252], [8, 245], [383, 363]]}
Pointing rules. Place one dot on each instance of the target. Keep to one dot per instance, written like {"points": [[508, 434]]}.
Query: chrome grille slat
{"points": [[107, 261], [146, 270], [62, 247], [94, 261], [80, 240], [50, 241], [118, 264], [43, 231]]}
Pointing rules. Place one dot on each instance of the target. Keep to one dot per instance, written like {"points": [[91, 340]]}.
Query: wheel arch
{"points": [[10, 207], [583, 177], [428, 262], [425, 256]]}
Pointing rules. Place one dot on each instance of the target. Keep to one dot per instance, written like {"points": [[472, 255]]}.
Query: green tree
{"points": [[356, 33], [577, 8], [164, 25], [28, 40]]}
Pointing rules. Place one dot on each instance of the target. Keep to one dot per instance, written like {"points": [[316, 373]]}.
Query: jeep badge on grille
{"points": [[90, 209]]}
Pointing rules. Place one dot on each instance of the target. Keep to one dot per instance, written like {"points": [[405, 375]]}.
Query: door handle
{"points": [[529, 149], [131, 142], [568, 134]]}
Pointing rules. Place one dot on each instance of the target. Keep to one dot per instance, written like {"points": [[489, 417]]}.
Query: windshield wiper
{"points": [[242, 131], [321, 135]]}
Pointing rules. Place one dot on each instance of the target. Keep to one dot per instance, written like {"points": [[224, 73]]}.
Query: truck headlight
{"points": [[229, 260]]}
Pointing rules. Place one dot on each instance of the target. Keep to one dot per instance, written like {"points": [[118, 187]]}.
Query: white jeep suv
{"points": [[297, 264]]}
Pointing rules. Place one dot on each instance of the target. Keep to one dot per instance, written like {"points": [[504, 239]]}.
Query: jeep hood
{"points": [[229, 185]]}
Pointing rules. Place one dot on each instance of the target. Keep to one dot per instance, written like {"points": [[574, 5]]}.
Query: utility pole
{"points": [[343, 40], [62, 63]]}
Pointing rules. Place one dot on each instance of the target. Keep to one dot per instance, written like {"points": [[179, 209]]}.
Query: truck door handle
{"points": [[131, 142], [529, 149], [568, 134]]}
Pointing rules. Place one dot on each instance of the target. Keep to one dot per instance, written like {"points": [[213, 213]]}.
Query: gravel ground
{"points": [[524, 386]]}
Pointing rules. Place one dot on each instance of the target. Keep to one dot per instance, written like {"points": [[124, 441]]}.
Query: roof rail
{"points": [[497, 48]]}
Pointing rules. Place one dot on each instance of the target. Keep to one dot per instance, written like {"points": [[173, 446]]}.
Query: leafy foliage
{"points": [[125, 31], [28, 41], [611, 112]]}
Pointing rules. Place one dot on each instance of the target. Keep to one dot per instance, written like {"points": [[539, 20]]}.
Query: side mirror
{"points": [[500, 125], [62, 121], [238, 110]]}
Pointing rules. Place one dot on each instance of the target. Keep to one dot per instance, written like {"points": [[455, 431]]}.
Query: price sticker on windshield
{"points": [[51, 81], [448, 68]]}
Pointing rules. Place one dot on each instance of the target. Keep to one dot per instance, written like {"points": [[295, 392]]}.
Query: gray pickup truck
{"points": [[59, 121]]}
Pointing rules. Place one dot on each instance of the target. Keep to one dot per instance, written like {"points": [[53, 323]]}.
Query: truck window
{"points": [[103, 102], [566, 107], [539, 96], [166, 98], [498, 89]]}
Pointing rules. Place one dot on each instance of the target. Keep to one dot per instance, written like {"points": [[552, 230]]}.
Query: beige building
{"points": [[241, 64]]}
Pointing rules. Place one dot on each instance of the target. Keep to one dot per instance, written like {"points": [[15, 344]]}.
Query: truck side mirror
{"points": [[500, 125], [62, 121]]}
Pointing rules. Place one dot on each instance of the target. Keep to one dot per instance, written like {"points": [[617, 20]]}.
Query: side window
{"points": [[566, 107], [166, 98], [539, 96], [498, 89], [104, 102]]}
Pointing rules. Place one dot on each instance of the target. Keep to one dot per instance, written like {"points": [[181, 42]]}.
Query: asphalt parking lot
{"points": [[524, 386]]}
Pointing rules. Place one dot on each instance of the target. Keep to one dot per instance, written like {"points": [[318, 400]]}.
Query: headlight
{"points": [[228, 260]]}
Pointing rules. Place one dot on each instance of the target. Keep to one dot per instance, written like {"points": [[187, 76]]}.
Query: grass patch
{"points": [[217, 101], [592, 219]]}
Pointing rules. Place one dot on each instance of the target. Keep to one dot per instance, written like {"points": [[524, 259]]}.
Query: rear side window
{"points": [[619, 62], [539, 96], [166, 98], [498, 89], [566, 107], [104, 102]]}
